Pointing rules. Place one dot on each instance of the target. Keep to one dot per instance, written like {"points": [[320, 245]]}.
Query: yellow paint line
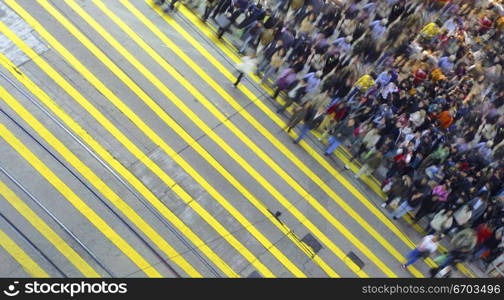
{"points": [[45, 230], [97, 182], [124, 172], [147, 130], [371, 181], [28, 264], [153, 79], [156, 139], [261, 129], [121, 170], [80, 205], [462, 268], [191, 115]]}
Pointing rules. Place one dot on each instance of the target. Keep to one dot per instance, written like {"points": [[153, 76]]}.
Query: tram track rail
{"points": [[94, 193], [53, 217], [125, 184], [25, 238]]}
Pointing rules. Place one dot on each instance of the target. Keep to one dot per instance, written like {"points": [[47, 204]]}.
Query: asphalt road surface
{"points": [[127, 152]]}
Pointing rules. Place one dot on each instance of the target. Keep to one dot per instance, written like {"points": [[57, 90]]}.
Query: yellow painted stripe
{"points": [[249, 143], [142, 126], [194, 19], [123, 171], [461, 267], [96, 181], [111, 195], [80, 205], [156, 139], [165, 117], [180, 104], [373, 183], [275, 118], [46, 231], [230, 151], [28, 264], [370, 181]]}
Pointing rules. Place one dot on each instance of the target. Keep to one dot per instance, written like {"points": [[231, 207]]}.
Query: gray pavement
{"points": [[113, 257]]}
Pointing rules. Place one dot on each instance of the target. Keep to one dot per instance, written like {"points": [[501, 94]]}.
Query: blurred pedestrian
{"points": [[246, 66], [427, 246]]}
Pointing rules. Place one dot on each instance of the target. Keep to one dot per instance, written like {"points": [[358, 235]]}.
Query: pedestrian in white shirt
{"points": [[426, 247], [246, 66]]}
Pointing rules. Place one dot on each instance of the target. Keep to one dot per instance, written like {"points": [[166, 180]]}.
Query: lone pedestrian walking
{"points": [[426, 247], [246, 66]]}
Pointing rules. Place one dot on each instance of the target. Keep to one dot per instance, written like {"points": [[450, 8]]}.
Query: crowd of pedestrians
{"points": [[413, 87]]}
